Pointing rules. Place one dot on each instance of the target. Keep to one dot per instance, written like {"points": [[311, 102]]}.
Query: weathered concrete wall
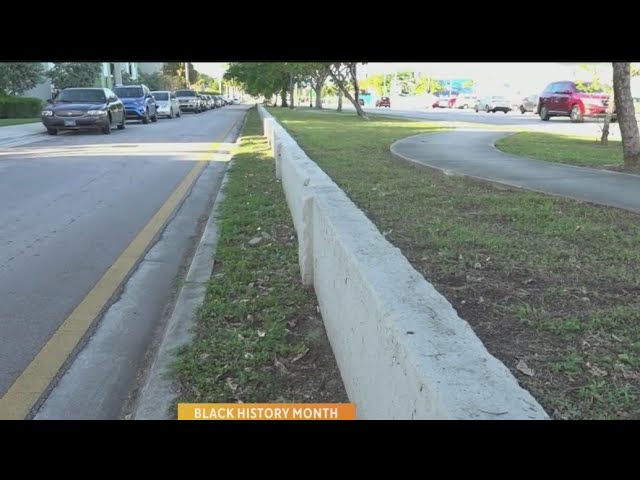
{"points": [[403, 351]]}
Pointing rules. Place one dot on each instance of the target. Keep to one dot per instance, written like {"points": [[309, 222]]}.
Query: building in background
{"points": [[106, 78]]}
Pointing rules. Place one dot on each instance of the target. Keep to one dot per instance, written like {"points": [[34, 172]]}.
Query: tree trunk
{"points": [[318, 91], [355, 103], [283, 98], [291, 90], [339, 100], [625, 111], [604, 140]]}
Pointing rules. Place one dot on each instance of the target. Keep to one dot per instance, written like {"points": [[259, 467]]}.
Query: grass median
{"points": [[571, 150], [550, 285], [259, 336], [6, 122]]}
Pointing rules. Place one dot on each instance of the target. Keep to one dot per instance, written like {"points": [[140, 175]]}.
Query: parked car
{"points": [[383, 102], [167, 103], [465, 100], [573, 100], [444, 101], [139, 104], [211, 102], [528, 104], [206, 101], [493, 104], [189, 101], [84, 109], [235, 101], [218, 100]]}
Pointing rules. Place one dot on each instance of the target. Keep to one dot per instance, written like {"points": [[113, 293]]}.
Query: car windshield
{"points": [[185, 93], [128, 92], [161, 96], [89, 95], [589, 87]]}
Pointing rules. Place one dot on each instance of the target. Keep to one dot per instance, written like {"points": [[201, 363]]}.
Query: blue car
{"points": [[139, 104]]}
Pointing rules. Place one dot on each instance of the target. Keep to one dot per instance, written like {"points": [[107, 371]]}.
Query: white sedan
{"points": [[495, 103], [167, 103]]}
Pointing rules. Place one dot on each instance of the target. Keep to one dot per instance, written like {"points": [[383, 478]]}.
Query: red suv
{"points": [[383, 102], [573, 100]]}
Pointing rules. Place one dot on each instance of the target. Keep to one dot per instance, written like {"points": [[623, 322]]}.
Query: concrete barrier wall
{"points": [[402, 350]]}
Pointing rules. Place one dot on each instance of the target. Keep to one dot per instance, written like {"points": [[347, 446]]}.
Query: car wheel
{"points": [[155, 116], [505, 111], [576, 114], [476, 109], [123, 124], [544, 114], [487, 109], [522, 110], [145, 119], [106, 129], [52, 131], [171, 113], [179, 114], [465, 106]]}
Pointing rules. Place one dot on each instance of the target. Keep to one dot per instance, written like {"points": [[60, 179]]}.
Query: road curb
{"points": [[156, 400]]}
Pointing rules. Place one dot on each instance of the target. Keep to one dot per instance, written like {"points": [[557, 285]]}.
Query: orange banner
{"points": [[266, 411]]}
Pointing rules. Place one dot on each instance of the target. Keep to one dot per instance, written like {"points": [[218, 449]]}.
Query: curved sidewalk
{"points": [[472, 153]]}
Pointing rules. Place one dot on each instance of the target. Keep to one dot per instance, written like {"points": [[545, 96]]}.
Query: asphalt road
{"points": [[528, 121], [70, 207]]}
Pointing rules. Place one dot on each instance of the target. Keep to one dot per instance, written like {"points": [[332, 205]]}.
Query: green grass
{"points": [[549, 281], [253, 332], [572, 150], [5, 122]]}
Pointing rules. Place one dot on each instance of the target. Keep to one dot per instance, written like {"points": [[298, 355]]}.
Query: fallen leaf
{"points": [[204, 356], [281, 366], [232, 385], [261, 333], [255, 241], [524, 368], [598, 372], [128, 416], [251, 285], [299, 356], [250, 318], [477, 265], [248, 356]]}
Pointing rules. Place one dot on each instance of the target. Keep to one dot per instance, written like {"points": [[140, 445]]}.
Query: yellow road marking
{"points": [[25, 392]]}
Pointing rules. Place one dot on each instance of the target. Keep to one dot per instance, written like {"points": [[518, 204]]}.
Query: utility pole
{"points": [[117, 73], [186, 74]]}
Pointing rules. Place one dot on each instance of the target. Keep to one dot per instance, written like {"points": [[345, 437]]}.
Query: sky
{"points": [[214, 70]]}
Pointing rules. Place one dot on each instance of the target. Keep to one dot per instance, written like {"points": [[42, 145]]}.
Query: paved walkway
{"points": [[472, 153]]}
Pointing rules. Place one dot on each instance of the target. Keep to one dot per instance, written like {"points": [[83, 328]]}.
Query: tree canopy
{"points": [[18, 77], [74, 74]]}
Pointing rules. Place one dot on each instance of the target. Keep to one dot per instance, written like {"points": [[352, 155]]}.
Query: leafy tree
{"points": [[626, 114], [176, 69], [344, 75], [375, 83], [74, 74], [18, 77], [317, 74], [261, 79]]}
